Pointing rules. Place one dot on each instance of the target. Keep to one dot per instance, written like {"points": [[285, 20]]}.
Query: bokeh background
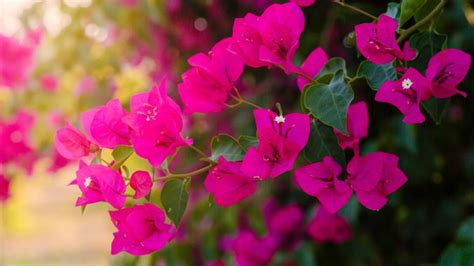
{"points": [[89, 51]]}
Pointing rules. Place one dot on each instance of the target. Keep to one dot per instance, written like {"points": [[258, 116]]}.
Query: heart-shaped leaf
{"points": [[376, 75], [227, 146], [174, 197], [323, 142], [330, 102]]}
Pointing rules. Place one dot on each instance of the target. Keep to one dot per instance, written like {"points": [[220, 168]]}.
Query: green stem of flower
{"points": [[422, 22], [356, 9], [189, 174], [242, 100], [196, 149]]}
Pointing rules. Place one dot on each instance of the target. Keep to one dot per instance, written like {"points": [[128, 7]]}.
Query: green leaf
{"points": [[120, 155], [436, 108], [408, 9], [426, 9], [458, 254], [376, 75], [330, 102], [351, 210], [248, 141], [428, 43], [393, 10], [466, 231], [332, 66], [323, 142], [227, 146], [305, 254], [174, 197]]}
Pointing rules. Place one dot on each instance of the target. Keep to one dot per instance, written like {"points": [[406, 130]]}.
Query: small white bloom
{"points": [[407, 83], [87, 182], [280, 119]]}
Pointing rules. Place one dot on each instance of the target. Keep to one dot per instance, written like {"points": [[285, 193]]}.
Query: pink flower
{"points": [[303, 2], [271, 39], [357, 127], [321, 181], [104, 125], [57, 162], [71, 143], [141, 182], [377, 42], [228, 184], [4, 188], [99, 183], [406, 94], [329, 227], [156, 122], [85, 85], [286, 220], [49, 82], [281, 139], [141, 230], [374, 177], [205, 88], [446, 70], [15, 141], [312, 65], [250, 250], [16, 62]]}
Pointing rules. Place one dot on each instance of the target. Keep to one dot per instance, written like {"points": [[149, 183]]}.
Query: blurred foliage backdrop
{"points": [[114, 48]]}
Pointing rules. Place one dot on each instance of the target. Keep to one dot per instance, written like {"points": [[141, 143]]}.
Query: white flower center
{"points": [[280, 119], [87, 182], [407, 83]]}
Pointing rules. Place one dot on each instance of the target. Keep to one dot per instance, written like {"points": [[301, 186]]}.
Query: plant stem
{"points": [[356, 9], [242, 100], [422, 22], [196, 149], [184, 175]]}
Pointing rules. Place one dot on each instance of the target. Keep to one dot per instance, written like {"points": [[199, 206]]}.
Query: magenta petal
{"points": [[141, 182], [71, 143], [334, 199], [107, 127], [371, 200], [446, 70], [253, 165], [312, 65], [228, 185]]}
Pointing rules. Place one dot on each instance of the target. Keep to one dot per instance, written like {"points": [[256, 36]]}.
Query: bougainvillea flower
{"points": [[321, 181], [99, 183], [271, 39], [205, 87], [105, 126], [304, 3], [85, 85], [141, 230], [312, 65], [71, 143], [328, 227], [406, 94], [251, 250], [228, 184], [49, 82], [57, 162], [15, 141], [156, 122], [141, 182], [16, 62], [377, 42], [374, 177], [357, 127], [286, 220], [280, 140], [446, 70], [4, 188]]}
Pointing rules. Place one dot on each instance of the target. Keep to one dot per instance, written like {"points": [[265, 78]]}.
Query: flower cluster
{"points": [[446, 69], [154, 126]]}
